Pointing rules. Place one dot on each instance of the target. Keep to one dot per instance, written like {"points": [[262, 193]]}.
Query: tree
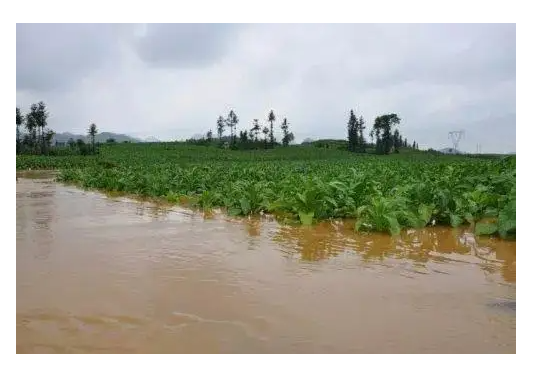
{"points": [[255, 129], [243, 138], [71, 143], [372, 132], [82, 148], [209, 135], [361, 141], [41, 116], [405, 144], [266, 132], [352, 134], [397, 140], [20, 121], [414, 144], [31, 126], [49, 134], [220, 127], [232, 121], [383, 132], [92, 131], [287, 136], [271, 119]]}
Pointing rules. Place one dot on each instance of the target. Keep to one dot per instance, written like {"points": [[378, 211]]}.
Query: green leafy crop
{"points": [[307, 184]]}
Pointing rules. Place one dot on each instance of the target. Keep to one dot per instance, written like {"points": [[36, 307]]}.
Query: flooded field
{"points": [[110, 275]]}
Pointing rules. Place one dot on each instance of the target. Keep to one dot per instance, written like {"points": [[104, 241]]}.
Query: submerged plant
{"points": [[306, 184]]}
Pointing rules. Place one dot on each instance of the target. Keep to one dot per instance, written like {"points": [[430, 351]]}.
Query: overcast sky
{"points": [[172, 81]]}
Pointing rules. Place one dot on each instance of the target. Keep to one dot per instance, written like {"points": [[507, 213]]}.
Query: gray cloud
{"points": [[172, 81], [185, 45], [53, 56]]}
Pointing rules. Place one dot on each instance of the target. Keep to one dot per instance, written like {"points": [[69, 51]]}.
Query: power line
{"points": [[455, 137]]}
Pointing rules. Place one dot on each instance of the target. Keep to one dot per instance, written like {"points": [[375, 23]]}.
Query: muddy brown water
{"points": [[112, 275]]}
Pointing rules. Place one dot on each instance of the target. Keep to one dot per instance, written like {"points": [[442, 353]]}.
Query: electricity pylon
{"points": [[455, 137]]}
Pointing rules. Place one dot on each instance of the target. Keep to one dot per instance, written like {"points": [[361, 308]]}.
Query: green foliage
{"points": [[382, 129], [307, 184]]}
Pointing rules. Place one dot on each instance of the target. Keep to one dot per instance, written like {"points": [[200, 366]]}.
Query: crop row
{"points": [[381, 194]]}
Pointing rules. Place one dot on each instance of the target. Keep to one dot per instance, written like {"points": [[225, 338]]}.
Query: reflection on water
{"points": [[435, 245], [97, 274]]}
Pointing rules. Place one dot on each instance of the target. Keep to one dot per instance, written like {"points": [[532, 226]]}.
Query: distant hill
{"points": [[151, 139], [99, 138]]}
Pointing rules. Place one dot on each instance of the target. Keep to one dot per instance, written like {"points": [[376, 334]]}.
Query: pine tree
{"points": [[397, 140], [271, 119], [361, 141], [352, 137]]}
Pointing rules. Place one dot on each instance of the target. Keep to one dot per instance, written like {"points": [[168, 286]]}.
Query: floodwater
{"points": [[111, 275]]}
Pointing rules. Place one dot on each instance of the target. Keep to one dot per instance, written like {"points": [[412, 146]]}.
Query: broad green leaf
{"points": [[491, 212], [234, 211], [486, 228], [306, 218], [245, 206], [469, 218], [332, 202], [361, 210], [425, 212], [456, 220], [302, 198], [413, 220], [507, 219], [394, 226]]}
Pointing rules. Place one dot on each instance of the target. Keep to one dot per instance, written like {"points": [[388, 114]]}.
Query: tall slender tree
{"points": [[49, 134], [361, 141], [287, 136], [92, 131], [265, 130], [232, 121], [220, 127], [255, 129], [352, 133], [396, 141], [41, 116], [31, 126], [20, 121], [271, 119], [243, 138]]}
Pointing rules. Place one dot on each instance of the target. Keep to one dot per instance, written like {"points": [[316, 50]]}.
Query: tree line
{"points": [[384, 135], [247, 138], [35, 137], [386, 140]]}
